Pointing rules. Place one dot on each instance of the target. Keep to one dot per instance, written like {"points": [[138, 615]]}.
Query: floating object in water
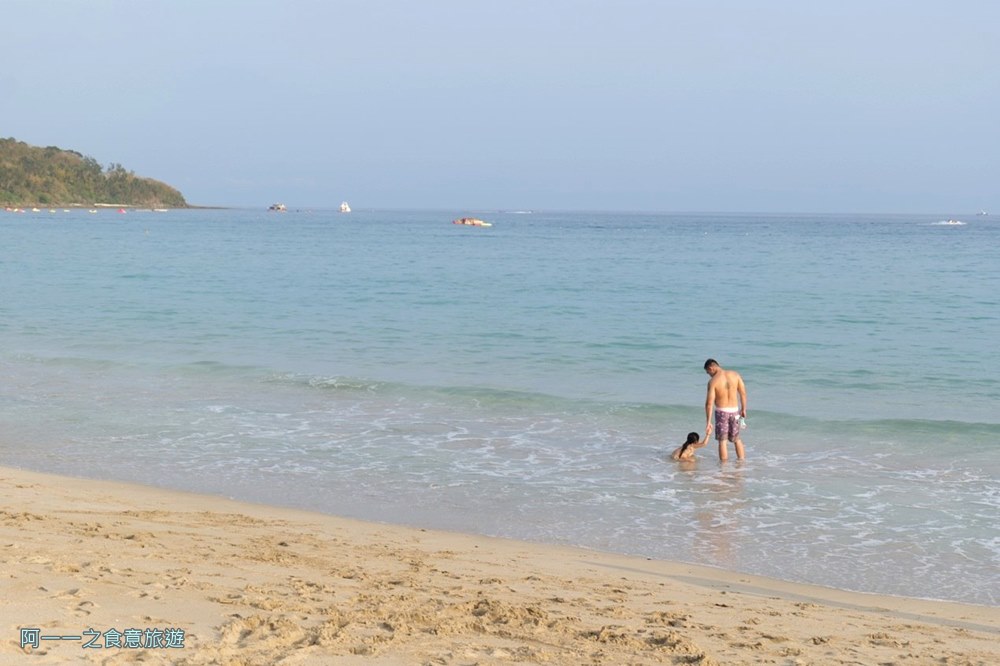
{"points": [[472, 222]]}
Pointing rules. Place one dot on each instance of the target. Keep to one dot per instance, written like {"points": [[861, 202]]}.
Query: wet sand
{"points": [[225, 582]]}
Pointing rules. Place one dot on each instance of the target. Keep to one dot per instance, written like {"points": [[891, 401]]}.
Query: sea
{"points": [[530, 379]]}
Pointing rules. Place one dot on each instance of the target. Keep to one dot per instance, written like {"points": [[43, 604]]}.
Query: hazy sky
{"points": [[669, 105]]}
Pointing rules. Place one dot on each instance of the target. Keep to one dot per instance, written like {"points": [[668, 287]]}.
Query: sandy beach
{"points": [[206, 580]]}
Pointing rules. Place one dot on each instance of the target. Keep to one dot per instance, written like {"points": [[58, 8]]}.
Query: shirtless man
{"points": [[727, 401]]}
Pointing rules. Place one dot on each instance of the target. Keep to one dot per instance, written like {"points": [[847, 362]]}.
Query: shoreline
{"points": [[19, 207], [251, 583]]}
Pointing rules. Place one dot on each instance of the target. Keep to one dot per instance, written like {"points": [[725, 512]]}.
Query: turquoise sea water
{"points": [[528, 379]]}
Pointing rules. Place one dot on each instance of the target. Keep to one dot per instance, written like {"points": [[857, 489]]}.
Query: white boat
{"points": [[344, 208], [280, 207]]}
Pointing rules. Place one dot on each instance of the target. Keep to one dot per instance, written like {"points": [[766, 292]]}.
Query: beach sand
{"points": [[242, 583]]}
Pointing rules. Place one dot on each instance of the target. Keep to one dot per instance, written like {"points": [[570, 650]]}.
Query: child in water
{"points": [[686, 450]]}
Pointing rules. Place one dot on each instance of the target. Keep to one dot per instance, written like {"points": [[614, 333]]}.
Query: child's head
{"points": [[691, 440]]}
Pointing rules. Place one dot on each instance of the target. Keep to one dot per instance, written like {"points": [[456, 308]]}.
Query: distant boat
{"points": [[957, 223], [280, 207], [472, 222], [982, 212], [344, 208]]}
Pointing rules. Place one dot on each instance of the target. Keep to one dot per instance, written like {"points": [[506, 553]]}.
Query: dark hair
{"points": [[710, 362], [692, 439]]}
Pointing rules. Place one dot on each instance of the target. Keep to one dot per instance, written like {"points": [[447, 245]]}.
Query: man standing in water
{"points": [[727, 400]]}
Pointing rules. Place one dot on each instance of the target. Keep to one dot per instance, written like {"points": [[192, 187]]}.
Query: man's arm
{"points": [[709, 403], [742, 390]]}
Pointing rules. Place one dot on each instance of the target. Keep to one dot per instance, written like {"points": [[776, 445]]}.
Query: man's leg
{"points": [[722, 429], [739, 448]]}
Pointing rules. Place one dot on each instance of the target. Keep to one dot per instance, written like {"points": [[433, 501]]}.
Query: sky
{"points": [[879, 106]]}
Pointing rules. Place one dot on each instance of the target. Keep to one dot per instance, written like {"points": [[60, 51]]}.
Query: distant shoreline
{"points": [[80, 206]]}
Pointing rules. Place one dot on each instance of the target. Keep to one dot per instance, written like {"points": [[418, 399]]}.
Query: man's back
{"points": [[725, 386]]}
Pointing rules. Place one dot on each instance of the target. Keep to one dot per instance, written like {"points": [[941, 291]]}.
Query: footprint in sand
{"points": [[83, 608], [73, 593]]}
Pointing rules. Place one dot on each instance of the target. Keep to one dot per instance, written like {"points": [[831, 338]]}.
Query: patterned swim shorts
{"points": [[727, 425]]}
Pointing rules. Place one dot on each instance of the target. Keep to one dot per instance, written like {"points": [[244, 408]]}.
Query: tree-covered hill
{"points": [[30, 175]]}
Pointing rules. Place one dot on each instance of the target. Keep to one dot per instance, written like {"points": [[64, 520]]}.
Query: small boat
{"points": [[344, 208], [280, 207], [472, 222]]}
